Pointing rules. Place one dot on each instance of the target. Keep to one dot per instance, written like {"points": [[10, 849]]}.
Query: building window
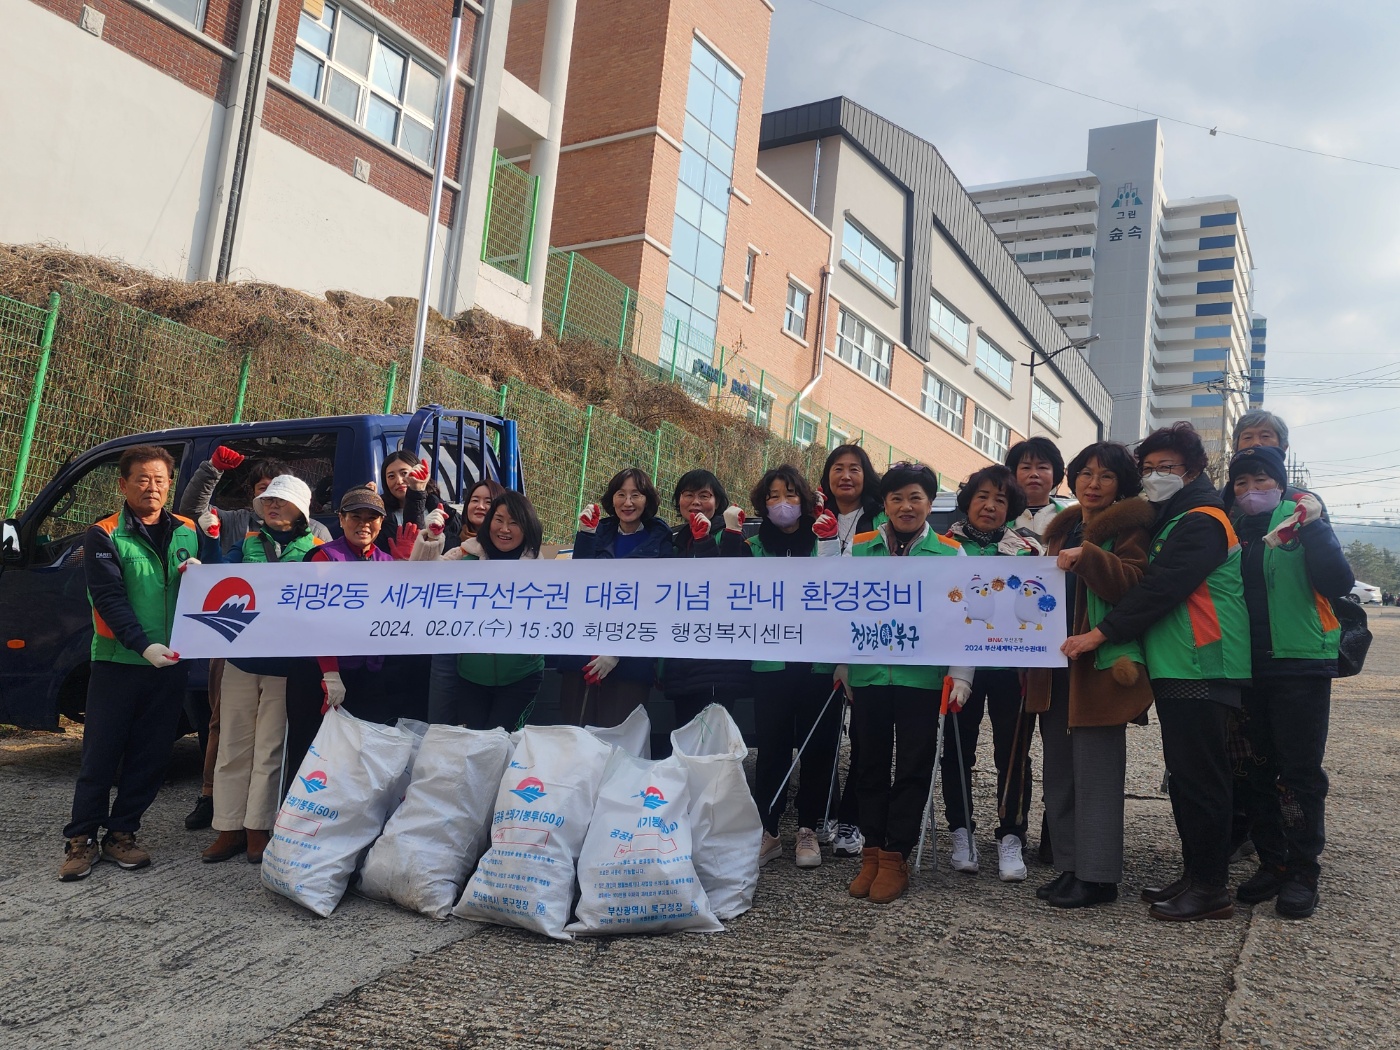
{"points": [[947, 324], [191, 11], [702, 203], [749, 263], [1212, 287], [869, 259], [860, 345], [994, 362], [1223, 219], [991, 436], [347, 65], [761, 411], [943, 404], [805, 431], [835, 438], [795, 316], [1046, 406]]}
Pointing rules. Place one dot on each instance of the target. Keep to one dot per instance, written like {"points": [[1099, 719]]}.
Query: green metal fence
{"points": [[511, 203]]}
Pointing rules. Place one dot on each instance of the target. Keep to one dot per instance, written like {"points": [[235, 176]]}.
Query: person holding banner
{"points": [[605, 690], [989, 499], [895, 707], [1188, 610], [692, 685], [496, 689], [1084, 709], [851, 485], [792, 702]]}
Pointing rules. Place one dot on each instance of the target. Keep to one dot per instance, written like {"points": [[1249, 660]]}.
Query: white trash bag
{"points": [[417, 730], [433, 840], [335, 808], [725, 824], [543, 808], [635, 873], [632, 734]]}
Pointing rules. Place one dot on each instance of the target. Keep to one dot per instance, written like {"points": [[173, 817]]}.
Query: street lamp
{"points": [[1077, 344]]}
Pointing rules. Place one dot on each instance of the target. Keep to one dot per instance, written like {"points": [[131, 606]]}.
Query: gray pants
{"points": [[1084, 773]]}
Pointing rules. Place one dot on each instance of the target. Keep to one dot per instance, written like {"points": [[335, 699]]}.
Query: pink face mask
{"points": [[784, 515], [1259, 501]]}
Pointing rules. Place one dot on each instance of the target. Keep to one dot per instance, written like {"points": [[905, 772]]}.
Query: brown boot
{"points": [[257, 842], [228, 844], [892, 880], [869, 868]]}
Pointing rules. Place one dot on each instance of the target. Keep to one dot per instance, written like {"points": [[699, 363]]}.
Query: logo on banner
{"points": [[530, 789], [314, 782], [651, 798], [228, 607]]}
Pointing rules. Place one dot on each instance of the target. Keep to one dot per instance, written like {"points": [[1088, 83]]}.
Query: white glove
{"points": [[1013, 543], [333, 689], [158, 655], [733, 519], [588, 520], [960, 695], [427, 545], [209, 523], [188, 562], [436, 521], [842, 677], [1309, 508], [598, 668]]}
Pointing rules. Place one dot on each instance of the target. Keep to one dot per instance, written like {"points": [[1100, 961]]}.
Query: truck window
{"points": [[311, 457], [88, 497]]}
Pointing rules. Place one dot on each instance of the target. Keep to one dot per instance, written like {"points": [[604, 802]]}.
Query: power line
{"points": [[1214, 130], [1338, 419]]}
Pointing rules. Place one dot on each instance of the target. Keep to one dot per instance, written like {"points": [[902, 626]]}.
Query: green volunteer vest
{"points": [[1206, 636], [1301, 621], [257, 546], [152, 585], [1095, 608], [495, 669], [756, 546]]}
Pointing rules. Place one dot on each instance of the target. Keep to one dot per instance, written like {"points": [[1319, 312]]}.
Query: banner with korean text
{"points": [[997, 612]]}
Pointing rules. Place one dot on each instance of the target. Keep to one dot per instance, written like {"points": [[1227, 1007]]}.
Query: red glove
{"points": [[733, 519], [225, 458], [209, 523], [402, 545], [437, 521], [821, 501], [826, 527], [418, 476], [588, 520], [699, 526]]}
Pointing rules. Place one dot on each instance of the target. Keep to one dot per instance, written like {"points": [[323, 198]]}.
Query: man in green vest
{"points": [[136, 685]]}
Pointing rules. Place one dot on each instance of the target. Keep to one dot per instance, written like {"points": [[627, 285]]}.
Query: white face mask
{"points": [[1161, 487]]}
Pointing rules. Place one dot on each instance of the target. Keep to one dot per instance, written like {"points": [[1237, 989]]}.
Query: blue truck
{"points": [[45, 618]]}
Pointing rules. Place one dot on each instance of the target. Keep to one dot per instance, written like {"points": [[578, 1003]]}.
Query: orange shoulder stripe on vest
{"points": [[950, 542], [1231, 540], [185, 522], [110, 524], [865, 537]]}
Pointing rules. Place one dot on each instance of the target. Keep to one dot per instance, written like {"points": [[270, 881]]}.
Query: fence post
{"points": [[675, 346], [564, 305], [391, 380], [505, 392], [530, 240], [583, 467], [622, 323], [719, 383], [656, 457], [758, 412], [490, 199], [31, 413], [242, 386]]}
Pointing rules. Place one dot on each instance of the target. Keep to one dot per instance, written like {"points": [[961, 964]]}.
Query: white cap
{"points": [[290, 488]]}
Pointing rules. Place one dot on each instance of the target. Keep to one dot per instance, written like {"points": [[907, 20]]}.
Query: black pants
{"points": [[304, 700], [999, 694], [133, 714], [786, 705], [399, 689], [849, 810], [690, 702], [1286, 791], [606, 704], [1199, 781], [898, 723], [489, 706]]}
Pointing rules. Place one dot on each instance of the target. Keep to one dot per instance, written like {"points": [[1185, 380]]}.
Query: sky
{"points": [[1325, 234]]}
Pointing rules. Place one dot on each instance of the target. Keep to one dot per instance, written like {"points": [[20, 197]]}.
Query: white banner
{"points": [[993, 612]]}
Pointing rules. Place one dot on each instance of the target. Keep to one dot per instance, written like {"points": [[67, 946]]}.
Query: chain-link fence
{"points": [[511, 204]]}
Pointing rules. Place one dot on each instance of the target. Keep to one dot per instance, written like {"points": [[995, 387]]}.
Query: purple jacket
{"points": [[340, 550]]}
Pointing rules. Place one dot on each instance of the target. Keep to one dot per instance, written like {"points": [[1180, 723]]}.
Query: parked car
{"points": [[45, 618], [1365, 594]]}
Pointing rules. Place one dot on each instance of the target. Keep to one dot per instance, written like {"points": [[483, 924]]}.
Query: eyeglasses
{"points": [[1089, 475], [1162, 468]]}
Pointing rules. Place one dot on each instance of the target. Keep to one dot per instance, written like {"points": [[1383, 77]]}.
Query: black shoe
{"points": [[202, 815], [1297, 897], [1055, 885], [1157, 894], [1242, 850], [1198, 901], [1263, 885], [1081, 894]]}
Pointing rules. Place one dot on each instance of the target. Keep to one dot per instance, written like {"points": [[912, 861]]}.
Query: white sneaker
{"points": [[849, 842], [1013, 867], [964, 852], [770, 847], [807, 854], [826, 833]]}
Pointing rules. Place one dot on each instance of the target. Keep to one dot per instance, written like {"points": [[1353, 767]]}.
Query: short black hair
{"points": [[138, 454], [1180, 437], [1038, 448], [1112, 456], [697, 481], [638, 477], [794, 480], [523, 512], [902, 474], [870, 491], [1004, 478], [266, 467]]}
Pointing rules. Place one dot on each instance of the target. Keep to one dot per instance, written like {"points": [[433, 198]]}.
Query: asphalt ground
{"points": [[186, 954]]}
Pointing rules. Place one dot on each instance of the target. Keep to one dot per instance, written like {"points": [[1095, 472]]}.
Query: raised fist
{"points": [[588, 520], [225, 458], [733, 519], [418, 476], [826, 527], [699, 526], [437, 521], [209, 523]]}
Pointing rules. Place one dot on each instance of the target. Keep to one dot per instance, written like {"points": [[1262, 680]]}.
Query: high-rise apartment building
{"points": [[1258, 336], [1161, 287]]}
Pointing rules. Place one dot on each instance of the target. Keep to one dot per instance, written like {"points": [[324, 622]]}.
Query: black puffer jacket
{"points": [[688, 677]]}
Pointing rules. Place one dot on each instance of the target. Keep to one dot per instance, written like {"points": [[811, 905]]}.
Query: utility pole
{"points": [[1226, 386], [1078, 344]]}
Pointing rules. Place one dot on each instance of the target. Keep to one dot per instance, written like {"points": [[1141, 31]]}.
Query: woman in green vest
{"points": [[895, 707], [1101, 544], [1188, 612], [253, 704], [1292, 565]]}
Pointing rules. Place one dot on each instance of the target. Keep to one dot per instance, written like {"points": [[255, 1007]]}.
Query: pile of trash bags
{"points": [[556, 829]]}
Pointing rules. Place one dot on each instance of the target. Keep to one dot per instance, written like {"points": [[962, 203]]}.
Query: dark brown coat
{"points": [[1123, 693]]}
